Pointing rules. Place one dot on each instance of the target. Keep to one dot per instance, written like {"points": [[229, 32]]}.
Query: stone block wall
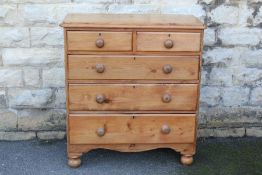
{"points": [[32, 97]]}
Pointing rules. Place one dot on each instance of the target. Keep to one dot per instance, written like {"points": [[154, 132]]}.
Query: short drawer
{"points": [[138, 128], [99, 41], [90, 67], [133, 97], [168, 41]]}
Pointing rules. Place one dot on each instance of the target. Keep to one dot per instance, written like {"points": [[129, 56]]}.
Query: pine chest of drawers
{"points": [[132, 82]]}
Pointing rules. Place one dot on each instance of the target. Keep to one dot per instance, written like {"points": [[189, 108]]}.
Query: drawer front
{"points": [[139, 128], [168, 41], [130, 67], [133, 97], [99, 41]]}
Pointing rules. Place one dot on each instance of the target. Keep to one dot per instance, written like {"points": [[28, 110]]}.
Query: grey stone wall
{"points": [[32, 97]]}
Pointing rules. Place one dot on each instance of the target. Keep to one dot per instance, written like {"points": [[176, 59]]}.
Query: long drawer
{"points": [[133, 97], [139, 128], [91, 67]]}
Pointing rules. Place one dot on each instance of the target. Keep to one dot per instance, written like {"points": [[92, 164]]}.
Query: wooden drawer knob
{"points": [[100, 98], [167, 69], [165, 129], [100, 43], [100, 68], [168, 44], [166, 98], [100, 132]]}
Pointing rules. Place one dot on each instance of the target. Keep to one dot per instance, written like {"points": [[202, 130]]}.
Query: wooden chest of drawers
{"points": [[132, 82]]}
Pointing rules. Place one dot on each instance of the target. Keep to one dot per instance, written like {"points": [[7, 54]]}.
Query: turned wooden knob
{"points": [[166, 98], [168, 43], [165, 129], [100, 43], [100, 98], [167, 69], [100, 132], [100, 68]]}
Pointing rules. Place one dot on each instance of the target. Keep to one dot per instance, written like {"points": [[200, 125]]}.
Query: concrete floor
{"points": [[214, 156]]}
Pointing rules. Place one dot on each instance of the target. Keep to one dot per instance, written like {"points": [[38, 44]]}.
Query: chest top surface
{"points": [[133, 21]]}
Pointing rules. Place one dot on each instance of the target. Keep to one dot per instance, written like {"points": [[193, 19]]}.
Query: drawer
{"points": [[138, 128], [89, 67], [133, 97], [99, 41], [168, 41]]}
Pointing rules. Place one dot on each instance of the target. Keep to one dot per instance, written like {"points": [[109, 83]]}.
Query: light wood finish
{"points": [[132, 112], [126, 81], [187, 159], [75, 150], [134, 53], [132, 82], [155, 41], [147, 21], [74, 160], [74, 163], [183, 148], [84, 67], [140, 128], [113, 41], [133, 97]]}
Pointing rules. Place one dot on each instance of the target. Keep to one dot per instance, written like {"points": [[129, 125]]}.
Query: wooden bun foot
{"points": [[186, 159], [74, 162]]}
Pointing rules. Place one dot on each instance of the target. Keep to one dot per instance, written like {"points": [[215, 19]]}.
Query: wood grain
{"points": [[183, 148], [86, 41], [133, 112], [83, 67], [154, 41], [143, 128], [133, 82], [146, 21], [133, 96], [145, 81], [137, 53]]}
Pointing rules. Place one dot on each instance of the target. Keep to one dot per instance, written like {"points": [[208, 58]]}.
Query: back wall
{"points": [[32, 95]]}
